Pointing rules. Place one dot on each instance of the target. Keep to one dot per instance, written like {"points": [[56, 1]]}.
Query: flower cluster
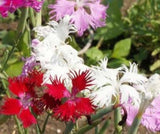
{"points": [[11, 5], [54, 78], [24, 90], [62, 69]]}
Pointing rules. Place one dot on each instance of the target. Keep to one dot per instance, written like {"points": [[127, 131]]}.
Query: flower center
{"points": [[79, 3], [26, 100]]}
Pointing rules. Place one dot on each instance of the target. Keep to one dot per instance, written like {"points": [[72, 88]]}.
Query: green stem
{"points": [[9, 55], [20, 130], [45, 123], [104, 127], [38, 18], [69, 127], [117, 119], [88, 127], [101, 113], [22, 22], [137, 120], [96, 129], [5, 87], [32, 17], [38, 129], [26, 131]]}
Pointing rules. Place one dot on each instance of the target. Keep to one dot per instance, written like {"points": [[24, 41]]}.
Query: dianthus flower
{"points": [[24, 89], [150, 118], [149, 106], [84, 13], [111, 84], [74, 106], [11, 5], [53, 53]]}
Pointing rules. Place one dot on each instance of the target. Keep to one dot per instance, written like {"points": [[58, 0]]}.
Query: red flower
{"points": [[23, 88], [74, 107], [57, 89], [44, 103]]}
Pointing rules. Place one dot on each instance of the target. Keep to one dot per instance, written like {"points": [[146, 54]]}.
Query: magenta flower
{"points": [[150, 118], [11, 5], [84, 13]]}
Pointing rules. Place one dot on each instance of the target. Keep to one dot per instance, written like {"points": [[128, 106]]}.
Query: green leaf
{"points": [[24, 43], [14, 69], [114, 63], [122, 48], [155, 65], [94, 53], [114, 23], [9, 38]]}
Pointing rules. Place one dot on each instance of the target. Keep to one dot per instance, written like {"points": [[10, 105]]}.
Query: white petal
{"points": [[103, 96], [127, 92]]}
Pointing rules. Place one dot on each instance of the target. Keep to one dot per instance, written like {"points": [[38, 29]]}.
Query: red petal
{"points": [[67, 111], [57, 89], [84, 106], [80, 81], [11, 107], [17, 85], [27, 118]]}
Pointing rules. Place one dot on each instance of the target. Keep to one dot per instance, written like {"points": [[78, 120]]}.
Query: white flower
{"points": [[56, 57], [113, 83], [149, 91], [61, 30]]}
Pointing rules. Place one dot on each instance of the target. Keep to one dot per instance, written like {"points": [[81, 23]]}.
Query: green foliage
{"points": [[14, 69], [114, 24], [122, 48], [24, 43], [94, 55]]}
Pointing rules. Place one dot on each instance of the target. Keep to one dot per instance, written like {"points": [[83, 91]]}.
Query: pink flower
{"points": [[11, 5], [150, 118], [74, 106], [23, 88], [29, 65], [84, 13]]}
